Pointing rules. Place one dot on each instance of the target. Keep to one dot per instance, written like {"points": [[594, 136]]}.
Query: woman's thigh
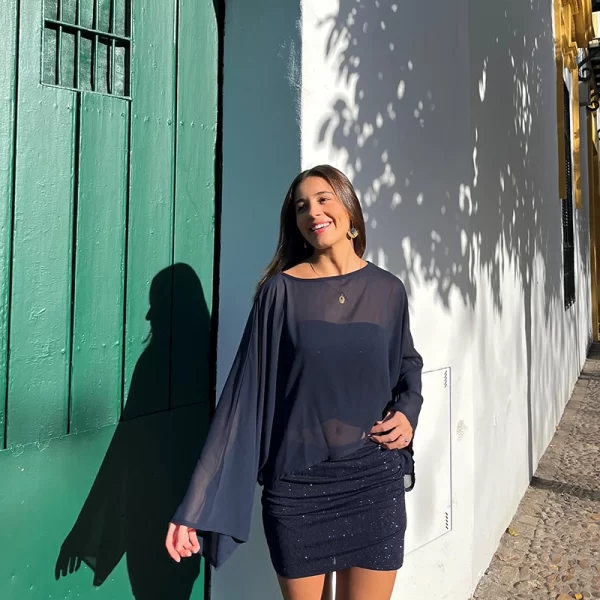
{"points": [[306, 588], [364, 584]]}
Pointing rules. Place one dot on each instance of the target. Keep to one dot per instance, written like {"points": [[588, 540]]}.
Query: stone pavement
{"points": [[552, 548]]}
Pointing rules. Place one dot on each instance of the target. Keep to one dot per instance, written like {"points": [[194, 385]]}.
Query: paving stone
{"points": [[556, 555], [524, 530], [528, 520], [508, 574]]}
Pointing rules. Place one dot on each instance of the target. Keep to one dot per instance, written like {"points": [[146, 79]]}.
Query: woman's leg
{"points": [[306, 588], [364, 584]]}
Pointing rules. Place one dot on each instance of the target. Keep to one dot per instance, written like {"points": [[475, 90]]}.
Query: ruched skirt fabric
{"points": [[342, 513]]}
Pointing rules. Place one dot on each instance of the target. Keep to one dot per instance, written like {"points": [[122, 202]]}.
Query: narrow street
{"points": [[552, 547]]}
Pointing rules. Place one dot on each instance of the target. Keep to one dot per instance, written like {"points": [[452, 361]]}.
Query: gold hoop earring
{"points": [[353, 233]]}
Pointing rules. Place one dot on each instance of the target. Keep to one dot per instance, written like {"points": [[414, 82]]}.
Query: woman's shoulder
{"points": [[386, 278], [302, 270], [271, 288]]}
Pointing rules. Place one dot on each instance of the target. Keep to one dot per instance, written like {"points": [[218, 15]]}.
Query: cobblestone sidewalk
{"points": [[555, 553]]}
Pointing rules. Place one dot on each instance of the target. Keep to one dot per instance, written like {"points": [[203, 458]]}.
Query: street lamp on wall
{"points": [[589, 72]]}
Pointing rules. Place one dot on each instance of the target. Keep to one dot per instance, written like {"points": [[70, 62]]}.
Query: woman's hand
{"points": [[394, 432], [181, 542]]}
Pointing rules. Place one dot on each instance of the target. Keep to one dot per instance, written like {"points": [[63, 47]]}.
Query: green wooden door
{"points": [[107, 171]]}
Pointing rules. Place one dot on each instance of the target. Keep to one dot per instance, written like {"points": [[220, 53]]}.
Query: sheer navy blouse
{"points": [[310, 378]]}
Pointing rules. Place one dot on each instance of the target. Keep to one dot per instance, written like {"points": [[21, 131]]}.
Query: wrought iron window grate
{"points": [[87, 45], [567, 213]]}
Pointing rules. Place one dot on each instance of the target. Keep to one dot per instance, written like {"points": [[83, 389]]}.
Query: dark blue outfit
{"points": [[311, 377]]}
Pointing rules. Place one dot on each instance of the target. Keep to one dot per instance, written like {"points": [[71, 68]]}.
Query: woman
{"points": [[320, 407]]}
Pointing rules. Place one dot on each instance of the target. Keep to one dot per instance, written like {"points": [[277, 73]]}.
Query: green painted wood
{"points": [[40, 319], [8, 25], [100, 500], [150, 245], [108, 493], [197, 96], [96, 386]]}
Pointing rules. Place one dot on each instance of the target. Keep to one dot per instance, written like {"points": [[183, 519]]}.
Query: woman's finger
{"points": [[399, 444], [170, 542], [180, 541], [195, 543], [402, 442], [392, 436], [388, 423]]}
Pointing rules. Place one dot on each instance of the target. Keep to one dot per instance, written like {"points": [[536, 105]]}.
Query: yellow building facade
{"points": [[576, 46]]}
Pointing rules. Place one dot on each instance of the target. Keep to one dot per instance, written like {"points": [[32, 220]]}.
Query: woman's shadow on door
{"points": [[152, 454]]}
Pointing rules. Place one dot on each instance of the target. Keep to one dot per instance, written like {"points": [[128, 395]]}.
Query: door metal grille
{"points": [[87, 45]]}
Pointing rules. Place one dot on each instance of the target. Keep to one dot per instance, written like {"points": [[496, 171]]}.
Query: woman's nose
{"points": [[315, 210]]}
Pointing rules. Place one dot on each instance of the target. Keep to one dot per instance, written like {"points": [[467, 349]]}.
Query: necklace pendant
{"points": [[342, 298]]}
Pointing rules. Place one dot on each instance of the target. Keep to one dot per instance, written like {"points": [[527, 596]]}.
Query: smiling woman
{"points": [[322, 218], [321, 212], [320, 407]]}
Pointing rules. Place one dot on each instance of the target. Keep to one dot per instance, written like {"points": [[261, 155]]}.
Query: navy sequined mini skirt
{"points": [[342, 513]]}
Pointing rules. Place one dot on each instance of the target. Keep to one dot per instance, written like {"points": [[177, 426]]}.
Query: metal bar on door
{"points": [[77, 41], [96, 26], [88, 30], [112, 47], [59, 43]]}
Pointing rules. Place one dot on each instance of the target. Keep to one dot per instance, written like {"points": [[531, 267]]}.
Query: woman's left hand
{"points": [[394, 432]]}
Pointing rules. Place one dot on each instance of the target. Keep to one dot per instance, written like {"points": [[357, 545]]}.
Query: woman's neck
{"points": [[336, 261]]}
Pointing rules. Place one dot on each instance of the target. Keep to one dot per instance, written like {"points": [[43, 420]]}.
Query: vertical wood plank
{"points": [[194, 219], [150, 228], [40, 317], [96, 379], [8, 25], [197, 96]]}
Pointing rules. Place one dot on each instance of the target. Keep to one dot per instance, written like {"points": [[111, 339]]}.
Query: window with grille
{"points": [[87, 45], [567, 213]]}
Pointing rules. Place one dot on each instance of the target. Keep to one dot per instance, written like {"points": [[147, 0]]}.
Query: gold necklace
{"points": [[342, 297]]}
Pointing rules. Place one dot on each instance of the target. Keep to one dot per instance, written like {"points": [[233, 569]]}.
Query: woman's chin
{"points": [[320, 247], [322, 242]]}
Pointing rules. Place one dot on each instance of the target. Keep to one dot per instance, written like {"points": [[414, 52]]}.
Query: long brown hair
{"points": [[291, 248]]}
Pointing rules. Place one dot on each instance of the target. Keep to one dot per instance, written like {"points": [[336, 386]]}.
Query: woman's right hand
{"points": [[181, 542]]}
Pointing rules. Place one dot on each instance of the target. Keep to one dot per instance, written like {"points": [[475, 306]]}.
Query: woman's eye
{"points": [[324, 199], [299, 207]]}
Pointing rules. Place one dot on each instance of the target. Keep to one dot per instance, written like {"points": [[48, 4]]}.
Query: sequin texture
{"points": [[341, 513]]}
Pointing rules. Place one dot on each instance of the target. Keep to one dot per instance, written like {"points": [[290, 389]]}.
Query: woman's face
{"points": [[320, 215]]}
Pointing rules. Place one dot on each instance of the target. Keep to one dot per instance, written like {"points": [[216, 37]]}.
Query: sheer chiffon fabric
{"points": [[310, 378]]}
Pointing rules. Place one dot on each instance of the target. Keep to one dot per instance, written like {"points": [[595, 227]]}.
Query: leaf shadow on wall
{"points": [[153, 452], [444, 128]]}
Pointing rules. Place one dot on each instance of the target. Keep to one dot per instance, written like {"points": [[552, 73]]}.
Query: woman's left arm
{"points": [[396, 430]]}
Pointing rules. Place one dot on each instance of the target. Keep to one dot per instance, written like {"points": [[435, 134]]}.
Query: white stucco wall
{"points": [[443, 114]]}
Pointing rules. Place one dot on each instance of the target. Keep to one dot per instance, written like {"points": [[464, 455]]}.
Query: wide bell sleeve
{"points": [[407, 392], [218, 502], [407, 396]]}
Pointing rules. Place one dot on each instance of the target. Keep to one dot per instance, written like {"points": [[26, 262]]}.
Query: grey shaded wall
{"points": [[261, 156]]}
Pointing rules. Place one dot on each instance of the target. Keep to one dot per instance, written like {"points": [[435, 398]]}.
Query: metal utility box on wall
{"points": [[429, 505], [107, 202]]}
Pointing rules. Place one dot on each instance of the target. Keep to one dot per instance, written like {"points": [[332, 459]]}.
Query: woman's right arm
{"points": [[214, 516]]}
